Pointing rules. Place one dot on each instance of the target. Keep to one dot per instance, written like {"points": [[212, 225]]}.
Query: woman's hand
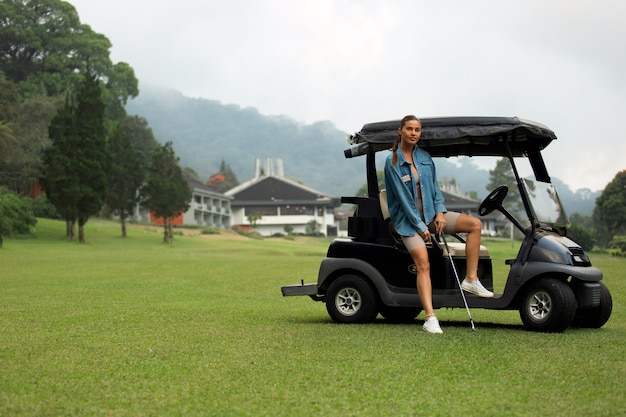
{"points": [[440, 223]]}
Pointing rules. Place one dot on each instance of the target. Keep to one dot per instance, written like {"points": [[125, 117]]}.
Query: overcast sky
{"points": [[559, 62]]}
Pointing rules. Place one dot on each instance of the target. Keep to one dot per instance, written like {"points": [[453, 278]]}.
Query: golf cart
{"points": [[551, 281]]}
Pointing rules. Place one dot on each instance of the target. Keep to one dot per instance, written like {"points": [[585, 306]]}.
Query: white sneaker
{"points": [[475, 287], [432, 325]]}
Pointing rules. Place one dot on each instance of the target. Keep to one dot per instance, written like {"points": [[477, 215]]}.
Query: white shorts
{"points": [[416, 241]]}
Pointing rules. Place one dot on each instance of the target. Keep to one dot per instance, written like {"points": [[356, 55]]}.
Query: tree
{"points": [[94, 157], [44, 51], [618, 242], [23, 166], [125, 177], [217, 182], [9, 110], [166, 193], [9, 101], [229, 175], [16, 214], [59, 180], [78, 162], [502, 174], [609, 213], [121, 84], [23, 136], [312, 228], [254, 219], [223, 180], [44, 48], [6, 137], [142, 141], [582, 231]]}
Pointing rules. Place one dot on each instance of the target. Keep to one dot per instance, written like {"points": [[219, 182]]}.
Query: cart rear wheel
{"points": [[352, 299], [548, 305], [595, 318]]}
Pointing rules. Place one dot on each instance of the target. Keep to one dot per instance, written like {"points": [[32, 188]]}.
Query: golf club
{"points": [[458, 281]]}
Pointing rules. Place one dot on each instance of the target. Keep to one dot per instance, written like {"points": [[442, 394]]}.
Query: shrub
{"points": [[582, 235], [251, 235], [618, 242], [44, 208], [210, 231], [312, 228], [16, 214]]}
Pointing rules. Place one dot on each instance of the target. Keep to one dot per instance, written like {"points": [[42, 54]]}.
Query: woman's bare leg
{"points": [[424, 286], [473, 227]]}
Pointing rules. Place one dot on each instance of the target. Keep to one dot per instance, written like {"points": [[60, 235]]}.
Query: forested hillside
{"points": [[205, 132]]}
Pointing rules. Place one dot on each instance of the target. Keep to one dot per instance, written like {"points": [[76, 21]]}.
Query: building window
{"points": [[262, 210], [296, 210]]}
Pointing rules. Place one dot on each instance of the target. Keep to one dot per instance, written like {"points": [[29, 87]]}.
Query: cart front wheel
{"points": [[548, 305]]}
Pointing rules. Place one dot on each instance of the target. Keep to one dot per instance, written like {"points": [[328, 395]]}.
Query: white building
{"points": [[207, 207], [270, 204]]}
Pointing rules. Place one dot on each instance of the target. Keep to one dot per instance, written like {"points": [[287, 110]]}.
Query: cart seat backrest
{"points": [[383, 204]]}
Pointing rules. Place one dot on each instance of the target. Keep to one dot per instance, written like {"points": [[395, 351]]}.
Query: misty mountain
{"points": [[205, 132]]}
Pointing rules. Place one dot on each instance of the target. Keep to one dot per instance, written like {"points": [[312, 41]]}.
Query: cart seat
{"points": [[456, 248]]}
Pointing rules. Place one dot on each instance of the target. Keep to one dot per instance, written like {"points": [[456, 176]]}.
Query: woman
{"points": [[417, 211]]}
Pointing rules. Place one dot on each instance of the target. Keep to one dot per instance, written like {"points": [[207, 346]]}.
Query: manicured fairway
{"points": [[135, 327]]}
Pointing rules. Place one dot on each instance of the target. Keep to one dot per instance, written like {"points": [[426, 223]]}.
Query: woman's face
{"points": [[410, 133]]}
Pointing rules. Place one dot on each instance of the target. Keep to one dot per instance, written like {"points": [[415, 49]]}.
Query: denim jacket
{"points": [[402, 192]]}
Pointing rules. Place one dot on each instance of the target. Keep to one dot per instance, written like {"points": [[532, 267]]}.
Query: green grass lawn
{"points": [[135, 327]]}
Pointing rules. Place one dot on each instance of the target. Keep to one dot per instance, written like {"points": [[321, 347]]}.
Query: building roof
{"points": [[454, 200], [276, 189]]}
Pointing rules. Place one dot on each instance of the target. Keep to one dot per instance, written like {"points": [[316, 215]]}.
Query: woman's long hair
{"points": [[396, 143]]}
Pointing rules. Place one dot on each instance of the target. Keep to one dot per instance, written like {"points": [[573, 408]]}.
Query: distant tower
{"points": [[279, 167], [269, 167], [257, 168]]}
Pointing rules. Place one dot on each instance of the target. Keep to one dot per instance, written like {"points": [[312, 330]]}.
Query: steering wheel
{"points": [[493, 200]]}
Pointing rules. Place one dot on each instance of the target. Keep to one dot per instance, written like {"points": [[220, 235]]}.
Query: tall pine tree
{"points": [[125, 176], [78, 162], [59, 180]]}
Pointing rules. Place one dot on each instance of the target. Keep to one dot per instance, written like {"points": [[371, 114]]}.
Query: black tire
{"points": [[548, 305], [352, 299], [594, 318], [399, 314]]}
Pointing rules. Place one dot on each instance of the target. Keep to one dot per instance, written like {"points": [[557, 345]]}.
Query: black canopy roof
{"points": [[455, 136]]}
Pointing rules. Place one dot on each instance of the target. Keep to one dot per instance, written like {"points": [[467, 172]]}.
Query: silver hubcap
{"points": [[348, 301], [539, 305]]}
